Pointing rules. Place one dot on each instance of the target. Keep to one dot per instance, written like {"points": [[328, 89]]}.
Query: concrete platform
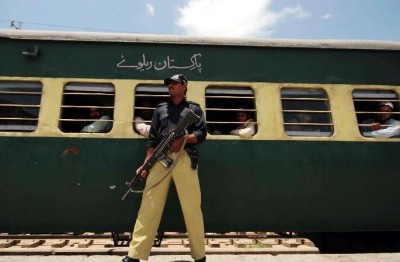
{"points": [[381, 257], [92, 247]]}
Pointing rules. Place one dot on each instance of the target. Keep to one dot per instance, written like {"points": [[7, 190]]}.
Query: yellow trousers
{"points": [[187, 185]]}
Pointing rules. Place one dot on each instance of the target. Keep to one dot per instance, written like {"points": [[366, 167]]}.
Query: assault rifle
{"points": [[160, 152]]}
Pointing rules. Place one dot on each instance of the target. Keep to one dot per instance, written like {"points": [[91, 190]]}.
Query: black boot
{"points": [[128, 259], [201, 260]]}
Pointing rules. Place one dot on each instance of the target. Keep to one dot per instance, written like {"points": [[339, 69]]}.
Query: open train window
{"points": [[367, 104], [87, 108], [19, 105], [306, 112], [223, 106], [146, 99]]}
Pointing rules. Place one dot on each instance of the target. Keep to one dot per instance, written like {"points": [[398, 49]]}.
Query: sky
{"points": [[266, 19]]}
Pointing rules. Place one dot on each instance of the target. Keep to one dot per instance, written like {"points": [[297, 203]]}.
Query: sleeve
{"points": [[200, 127], [155, 124], [387, 132], [247, 131], [235, 132], [142, 127], [98, 126]]}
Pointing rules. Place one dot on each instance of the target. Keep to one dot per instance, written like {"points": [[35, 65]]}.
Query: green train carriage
{"points": [[330, 178]]}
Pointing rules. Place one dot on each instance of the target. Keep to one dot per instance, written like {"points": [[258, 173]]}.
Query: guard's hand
{"points": [[177, 144], [142, 173]]}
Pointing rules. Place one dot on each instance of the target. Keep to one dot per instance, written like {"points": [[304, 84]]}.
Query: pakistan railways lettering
{"points": [[145, 64]]}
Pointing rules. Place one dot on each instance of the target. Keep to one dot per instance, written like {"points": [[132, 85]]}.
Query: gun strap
{"points": [[168, 171]]}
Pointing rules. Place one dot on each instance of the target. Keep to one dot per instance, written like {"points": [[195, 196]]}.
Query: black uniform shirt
{"points": [[167, 116]]}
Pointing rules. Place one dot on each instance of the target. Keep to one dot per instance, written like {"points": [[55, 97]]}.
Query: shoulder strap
{"points": [[190, 106]]}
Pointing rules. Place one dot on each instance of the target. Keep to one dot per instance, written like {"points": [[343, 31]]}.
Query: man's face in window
{"points": [[242, 117], [95, 113], [304, 117], [386, 113], [146, 113]]}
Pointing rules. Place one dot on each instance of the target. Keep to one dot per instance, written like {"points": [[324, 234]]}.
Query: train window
{"points": [[371, 121], [231, 109], [146, 99], [306, 112], [19, 106], [87, 108]]}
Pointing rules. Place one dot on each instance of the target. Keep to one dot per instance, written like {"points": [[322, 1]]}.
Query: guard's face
{"points": [[176, 89]]}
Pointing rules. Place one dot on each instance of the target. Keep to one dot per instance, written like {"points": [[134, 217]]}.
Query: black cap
{"points": [[178, 78]]}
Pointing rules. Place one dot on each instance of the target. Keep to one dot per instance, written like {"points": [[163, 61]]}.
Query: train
{"points": [[324, 181]]}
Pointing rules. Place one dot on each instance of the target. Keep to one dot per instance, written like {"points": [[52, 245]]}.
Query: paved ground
{"points": [[382, 257]]}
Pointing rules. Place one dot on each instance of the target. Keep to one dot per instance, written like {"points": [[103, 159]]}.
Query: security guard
{"points": [[184, 174]]}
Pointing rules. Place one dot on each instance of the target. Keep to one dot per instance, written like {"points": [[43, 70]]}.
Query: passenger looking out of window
{"points": [[382, 125], [246, 126], [301, 117], [101, 125], [143, 114]]}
